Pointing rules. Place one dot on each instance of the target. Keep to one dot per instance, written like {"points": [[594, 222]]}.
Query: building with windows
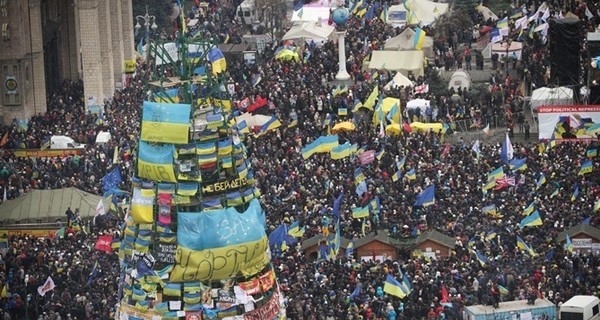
{"points": [[44, 42]]}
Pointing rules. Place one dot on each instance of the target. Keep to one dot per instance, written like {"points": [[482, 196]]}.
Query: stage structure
{"points": [[194, 245]]}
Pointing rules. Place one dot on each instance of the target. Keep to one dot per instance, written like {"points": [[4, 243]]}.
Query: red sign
{"points": [[104, 243], [267, 311]]}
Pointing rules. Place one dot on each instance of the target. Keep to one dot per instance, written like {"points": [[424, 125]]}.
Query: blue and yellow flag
{"points": [[360, 212], [395, 288], [569, 244], [518, 164], [521, 244], [483, 260], [142, 204], [529, 209], [295, 230], [586, 167], [541, 181], [412, 174], [419, 38], [496, 173], [165, 122], [320, 145], [532, 220], [370, 102], [427, 197], [202, 236], [155, 162], [340, 152], [575, 194], [217, 60]]}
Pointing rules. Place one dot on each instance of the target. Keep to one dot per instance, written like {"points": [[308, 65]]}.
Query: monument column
{"points": [[106, 45], [342, 73], [116, 27], [91, 58], [37, 101]]}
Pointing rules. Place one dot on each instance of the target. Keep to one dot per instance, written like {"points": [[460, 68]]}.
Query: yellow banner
{"points": [[165, 132], [142, 203], [63, 153], [130, 66], [248, 258], [156, 172]]}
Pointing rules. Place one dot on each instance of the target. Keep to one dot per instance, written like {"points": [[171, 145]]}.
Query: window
{"points": [[571, 316], [595, 310]]}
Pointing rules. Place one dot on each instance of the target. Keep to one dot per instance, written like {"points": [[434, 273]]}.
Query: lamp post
{"points": [[149, 21]]}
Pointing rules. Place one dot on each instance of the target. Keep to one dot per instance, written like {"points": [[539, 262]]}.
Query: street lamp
{"points": [[149, 21]]}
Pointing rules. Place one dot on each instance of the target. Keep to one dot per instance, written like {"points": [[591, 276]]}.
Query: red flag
{"points": [[258, 103], [104, 243], [164, 208], [406, 127]]}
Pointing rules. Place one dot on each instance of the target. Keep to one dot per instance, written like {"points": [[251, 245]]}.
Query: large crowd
{"points": [[87, 279]]}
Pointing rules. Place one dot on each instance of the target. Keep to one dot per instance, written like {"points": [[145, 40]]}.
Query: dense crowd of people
{"points": [[87, 279]]}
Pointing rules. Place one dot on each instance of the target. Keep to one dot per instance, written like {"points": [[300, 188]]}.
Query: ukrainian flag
{"points": [[397, 176], [295, 230], [172, 289], [357, 6], [394, 114], [360, 212], [225, 147], [187, 188], [342, 111], [272, 124], [541, 181], [592, 153], [518, 164], [569, 244], [496, 173], [586, 167], [419, 38], [532, 220], [481, 258], [593, 129], [217, 59], [395, 288], [555, 193], [168, 96], [234, 198], [400, 164], [358, 176], [293, 123], [342, 151], [165, 122], [427, 197], [502, 23], [490, 235], [370, 102], [502, 290], [521, 244], [575, 194], [412, 174], [242, 170], [491, 210], [380, 154], [350, 248], [529, 209]]}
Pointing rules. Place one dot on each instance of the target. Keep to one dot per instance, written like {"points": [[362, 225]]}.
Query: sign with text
{"points": [[223, 186], [165, 252]]}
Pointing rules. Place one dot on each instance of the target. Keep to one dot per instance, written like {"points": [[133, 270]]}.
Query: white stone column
{"points": [[37, 103], [116, 20], [91, 58], [106, 45], [127, 22], [342, 73]]}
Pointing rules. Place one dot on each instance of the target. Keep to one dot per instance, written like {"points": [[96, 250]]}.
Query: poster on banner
{"points": [[165, 252], [130, 66], [196, 315], [568, 122]]}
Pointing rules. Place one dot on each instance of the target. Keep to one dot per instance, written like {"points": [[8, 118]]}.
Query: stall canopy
{"points": [[50, 205], [310, 31], [422, 12], [314, 14], [405, 40], [487, 13], [460, 79], [499, 48], [551, 97], [418, 103], [402, 61], [398, 81]]}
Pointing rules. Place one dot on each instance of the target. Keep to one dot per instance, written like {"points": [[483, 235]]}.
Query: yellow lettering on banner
{"points": [[156, 172], [129, 66], [222, 186], [248, 258]]}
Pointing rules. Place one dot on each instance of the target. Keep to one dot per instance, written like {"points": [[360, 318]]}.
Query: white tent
{"points": [[314, 14], [551, 97], [50, 205], [422, 12], [460, 79], [310, 31], [418, 103], [398, 80], [401, 61], [405, 41], [487, 13]]}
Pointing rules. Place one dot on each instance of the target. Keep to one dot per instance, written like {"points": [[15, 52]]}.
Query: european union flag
{"points": [[337, 204], [112, 179], [427, 197]]}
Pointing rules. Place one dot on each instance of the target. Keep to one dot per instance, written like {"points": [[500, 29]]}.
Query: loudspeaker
{"points": [[565, 50]]}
